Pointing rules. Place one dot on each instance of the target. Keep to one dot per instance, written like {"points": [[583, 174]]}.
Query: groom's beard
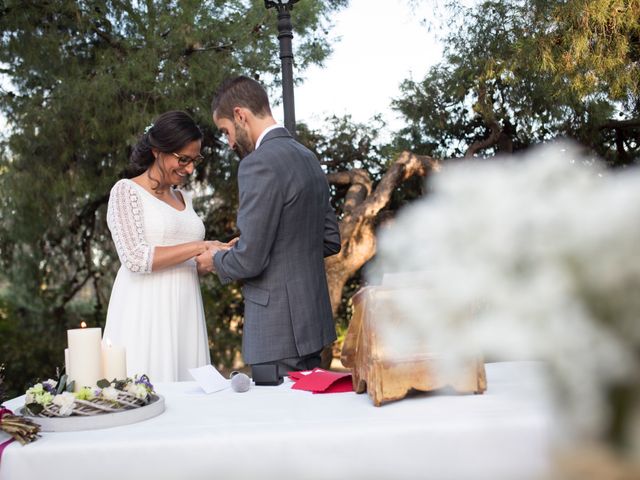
{"points": [[244, 146]]}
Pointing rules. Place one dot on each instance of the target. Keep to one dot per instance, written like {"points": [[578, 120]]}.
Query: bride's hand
{"points": [[232, 242], [218, 245], [204, 260], [215, 245]]}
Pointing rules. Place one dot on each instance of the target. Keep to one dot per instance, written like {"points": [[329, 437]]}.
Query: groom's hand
{"points": [[204, 261]]}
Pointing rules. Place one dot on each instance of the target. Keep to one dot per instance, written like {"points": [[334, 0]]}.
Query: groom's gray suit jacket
{"points": [[287, 227]]}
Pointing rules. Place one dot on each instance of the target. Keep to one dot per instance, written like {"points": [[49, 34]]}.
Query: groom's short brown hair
{"points": [[240, 92]]}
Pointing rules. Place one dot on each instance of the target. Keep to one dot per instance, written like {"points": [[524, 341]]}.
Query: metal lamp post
{"points": [[285, 34]]}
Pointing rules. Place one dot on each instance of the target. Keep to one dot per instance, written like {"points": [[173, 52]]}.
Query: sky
{"points": [[382, 42]]}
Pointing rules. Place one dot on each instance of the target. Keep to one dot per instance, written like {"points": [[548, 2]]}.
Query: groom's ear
{"points": [[241, 115]]}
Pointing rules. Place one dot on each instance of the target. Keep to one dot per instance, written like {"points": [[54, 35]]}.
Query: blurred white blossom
{"points": [[66, 402], [138, 390], [110, 393], [528, 257]]}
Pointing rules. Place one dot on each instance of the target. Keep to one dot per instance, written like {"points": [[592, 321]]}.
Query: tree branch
{"points": [[406, 165], [87, 211], [484, 108], [491, 140], [340, 178], [75, 289], [360, 186], [622, 152], [196, 48], [109, 39], [621, 124]]}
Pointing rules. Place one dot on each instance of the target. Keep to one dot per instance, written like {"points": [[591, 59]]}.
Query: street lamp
{"points": [[285, 34]]}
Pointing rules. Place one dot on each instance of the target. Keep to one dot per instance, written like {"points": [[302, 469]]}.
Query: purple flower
{"points": [[144, 380], [50, 386]]}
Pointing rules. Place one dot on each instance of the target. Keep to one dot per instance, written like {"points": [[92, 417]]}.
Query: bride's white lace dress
{"points": [[157, 316]]}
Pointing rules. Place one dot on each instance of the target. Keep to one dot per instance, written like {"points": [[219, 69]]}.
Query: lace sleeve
{"points": [[125, 221]]}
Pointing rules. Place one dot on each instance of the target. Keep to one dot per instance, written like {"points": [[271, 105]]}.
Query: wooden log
{"points": [[388, 374]]}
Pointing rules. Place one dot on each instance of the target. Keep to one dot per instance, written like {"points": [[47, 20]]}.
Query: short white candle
{"points": [[85, 357], [114, 361]]}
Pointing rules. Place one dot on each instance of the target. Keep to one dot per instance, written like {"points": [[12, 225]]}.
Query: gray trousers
{"points": [[295, 364]]}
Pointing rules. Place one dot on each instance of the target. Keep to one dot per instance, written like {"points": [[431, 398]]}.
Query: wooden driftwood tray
{"points": [[101, 420], [389, 375]]}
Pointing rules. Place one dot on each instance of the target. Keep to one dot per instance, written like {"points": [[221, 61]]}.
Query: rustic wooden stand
{"points": [[388, 374]]}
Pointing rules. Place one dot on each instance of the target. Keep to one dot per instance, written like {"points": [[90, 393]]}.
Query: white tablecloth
{"points": [[276, 432]]}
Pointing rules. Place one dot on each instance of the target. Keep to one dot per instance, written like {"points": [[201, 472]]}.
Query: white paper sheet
{"points": [[209, 379]]}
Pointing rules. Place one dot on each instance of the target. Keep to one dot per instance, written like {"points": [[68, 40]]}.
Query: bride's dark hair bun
{"points": [[170, 132]]}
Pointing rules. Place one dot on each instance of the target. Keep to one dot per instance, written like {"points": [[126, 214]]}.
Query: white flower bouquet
{"points": [[53, 398], [530, 258]]}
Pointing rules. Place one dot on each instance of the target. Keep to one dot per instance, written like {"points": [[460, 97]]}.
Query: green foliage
{"points": [[3, 396], [225, 308], [345, 310], [344, 145], [536, 69], [83, 80], [595, 45], [32, 346]]}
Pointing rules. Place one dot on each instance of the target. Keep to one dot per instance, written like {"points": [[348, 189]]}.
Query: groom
{"points": [[287, 227]]}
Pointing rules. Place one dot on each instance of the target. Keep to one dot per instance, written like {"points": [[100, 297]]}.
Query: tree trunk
{"points": [[362, 205]]}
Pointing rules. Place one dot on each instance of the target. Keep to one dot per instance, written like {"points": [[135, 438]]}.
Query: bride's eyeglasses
{"points": [[184, 160]]}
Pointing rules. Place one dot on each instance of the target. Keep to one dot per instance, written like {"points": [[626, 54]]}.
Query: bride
{"points": [[155, 310]]}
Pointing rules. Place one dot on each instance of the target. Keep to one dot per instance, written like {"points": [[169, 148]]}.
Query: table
{"points": [[277, 432]]}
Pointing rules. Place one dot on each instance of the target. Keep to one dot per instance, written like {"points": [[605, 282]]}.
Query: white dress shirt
{"points": [[264, 132]]}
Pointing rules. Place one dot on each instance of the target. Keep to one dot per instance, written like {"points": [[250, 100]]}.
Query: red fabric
{"points": [[3, 445], [322, 381], [295, 376]]}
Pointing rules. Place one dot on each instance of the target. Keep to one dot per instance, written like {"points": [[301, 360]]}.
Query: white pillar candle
{"points": [[67, 364], [85, 356], [114, 361]]}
